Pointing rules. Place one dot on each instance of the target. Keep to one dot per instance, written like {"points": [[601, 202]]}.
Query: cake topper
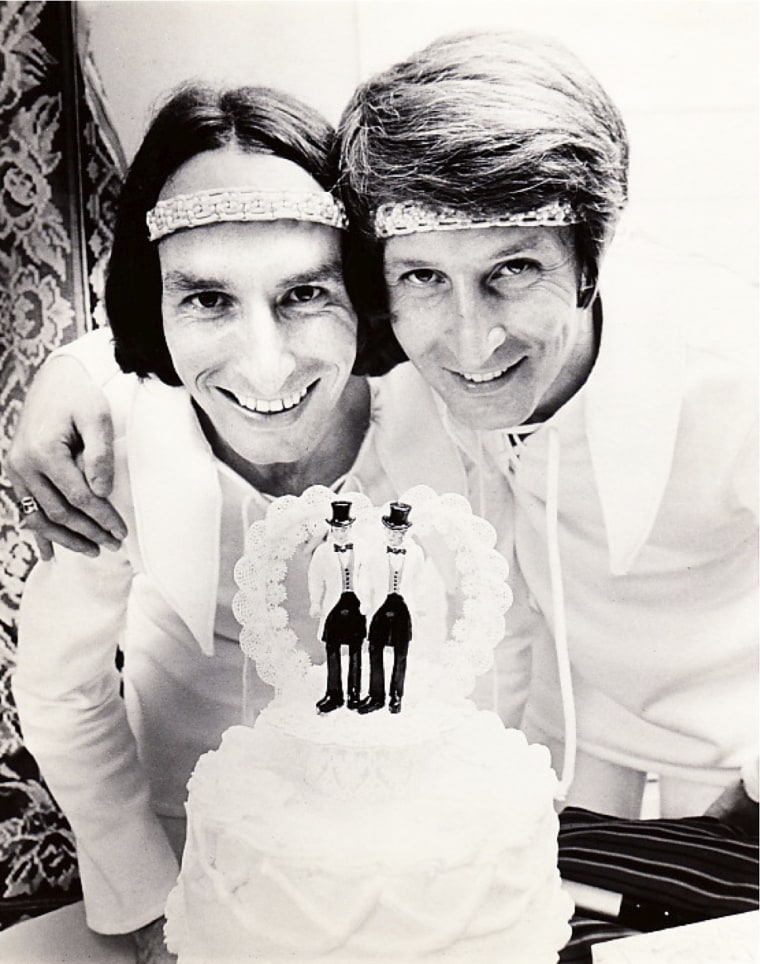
{"points": [[391, 625], [331, 573], [446, 664]]}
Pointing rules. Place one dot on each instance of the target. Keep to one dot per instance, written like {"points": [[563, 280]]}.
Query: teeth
{"points": [[266, 406], [482, 376]]}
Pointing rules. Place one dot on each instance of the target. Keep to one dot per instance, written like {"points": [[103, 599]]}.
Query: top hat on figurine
{"points": [[341, 515], [397, 518]]}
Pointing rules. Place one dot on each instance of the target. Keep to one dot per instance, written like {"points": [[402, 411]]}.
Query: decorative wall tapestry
{"points": [[60, 173]]}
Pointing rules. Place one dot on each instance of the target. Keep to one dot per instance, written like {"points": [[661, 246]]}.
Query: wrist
{"points": [[149, 933], [150, 946]]}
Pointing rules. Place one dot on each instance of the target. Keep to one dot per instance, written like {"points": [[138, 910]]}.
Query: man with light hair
{"points": [[614, 389]]}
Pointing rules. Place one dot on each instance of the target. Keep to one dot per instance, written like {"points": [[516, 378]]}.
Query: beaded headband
{"points": [[242, 204], [412, 217]]}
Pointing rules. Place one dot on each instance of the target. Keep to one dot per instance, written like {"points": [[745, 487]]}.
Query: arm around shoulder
{"points": [[62, 452]]}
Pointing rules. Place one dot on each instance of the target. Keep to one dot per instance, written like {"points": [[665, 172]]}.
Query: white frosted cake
{"points": [[426, 835]]}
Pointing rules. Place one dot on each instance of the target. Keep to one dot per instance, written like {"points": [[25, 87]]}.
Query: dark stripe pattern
{"points": [[698, 866], [588, 931]]}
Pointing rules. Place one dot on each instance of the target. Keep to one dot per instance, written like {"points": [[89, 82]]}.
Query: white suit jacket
{"points": [[656, 464]]}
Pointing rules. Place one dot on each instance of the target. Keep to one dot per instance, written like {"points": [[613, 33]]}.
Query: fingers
{"points": [[83, 529], [44, 547], [31, 520], [97, 458], [61, 536], [62, 455]]}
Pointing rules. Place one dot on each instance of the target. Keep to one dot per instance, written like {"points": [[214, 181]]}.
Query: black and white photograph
{"points": [[379, 481]]}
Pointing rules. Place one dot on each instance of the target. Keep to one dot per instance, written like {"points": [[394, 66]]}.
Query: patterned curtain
{"points": [[60, 172]]}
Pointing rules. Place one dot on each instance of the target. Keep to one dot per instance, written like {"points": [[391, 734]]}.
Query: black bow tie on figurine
{"points": [[343, 548], [396, 552]]}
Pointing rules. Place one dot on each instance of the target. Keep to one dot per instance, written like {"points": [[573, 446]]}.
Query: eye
{"points": [[303, 294], [515, 268], [208, 300], [422, 277]]}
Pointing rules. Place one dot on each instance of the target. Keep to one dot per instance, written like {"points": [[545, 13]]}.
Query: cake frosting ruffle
{"points": [[411, 845], [428, 835]]}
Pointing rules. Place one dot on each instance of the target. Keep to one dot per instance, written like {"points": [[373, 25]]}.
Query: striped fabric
{"points": [[588, 931], [697, 867]]}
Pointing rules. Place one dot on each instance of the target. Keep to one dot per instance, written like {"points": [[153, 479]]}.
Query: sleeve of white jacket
{"points": [[94, 351], [74, 723]]}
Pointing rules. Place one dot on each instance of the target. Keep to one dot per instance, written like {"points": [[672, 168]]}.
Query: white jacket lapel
{"points": [[177, 503], [634, 396]]}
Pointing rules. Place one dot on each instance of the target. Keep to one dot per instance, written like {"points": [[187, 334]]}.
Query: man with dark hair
{"points": [[226, 295]]}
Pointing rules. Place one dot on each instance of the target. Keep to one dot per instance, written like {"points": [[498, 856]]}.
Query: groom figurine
{"points": [[392, 624], [332, 572]]}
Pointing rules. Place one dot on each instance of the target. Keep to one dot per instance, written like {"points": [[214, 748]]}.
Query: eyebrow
{"points": [[327, 271], [526, 246], [185, 281], [182, 281]]}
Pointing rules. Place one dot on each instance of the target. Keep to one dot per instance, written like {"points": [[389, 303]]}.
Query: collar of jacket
{"points": [[634, 393], [177, 504]]}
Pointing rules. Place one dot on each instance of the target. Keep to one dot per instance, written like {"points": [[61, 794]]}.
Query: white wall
{"points": [[684, 74]]}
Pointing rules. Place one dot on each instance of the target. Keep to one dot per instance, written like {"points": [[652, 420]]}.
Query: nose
{"points": [[474, 331], [266, 357]]}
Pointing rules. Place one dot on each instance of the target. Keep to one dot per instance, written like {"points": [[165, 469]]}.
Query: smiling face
{"points": [[256, 316], [489, 316]]}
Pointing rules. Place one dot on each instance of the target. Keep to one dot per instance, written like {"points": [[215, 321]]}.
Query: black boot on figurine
{"points": [[371, 703], [353, 700], [394, 703], [330, 702]]}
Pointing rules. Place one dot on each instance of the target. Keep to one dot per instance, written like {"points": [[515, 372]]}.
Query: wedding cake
{"points": [[427, 834]]}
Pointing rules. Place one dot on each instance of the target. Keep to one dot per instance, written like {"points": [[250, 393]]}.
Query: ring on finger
{"points": [[28, 505]]}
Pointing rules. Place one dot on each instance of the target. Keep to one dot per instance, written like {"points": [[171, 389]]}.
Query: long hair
{"points": [[197, 118]]}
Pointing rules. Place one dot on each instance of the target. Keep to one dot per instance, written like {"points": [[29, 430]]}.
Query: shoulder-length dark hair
{"points": [[198, 118]]}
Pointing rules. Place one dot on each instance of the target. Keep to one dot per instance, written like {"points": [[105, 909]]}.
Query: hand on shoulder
{"points": [[61, 461]]}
